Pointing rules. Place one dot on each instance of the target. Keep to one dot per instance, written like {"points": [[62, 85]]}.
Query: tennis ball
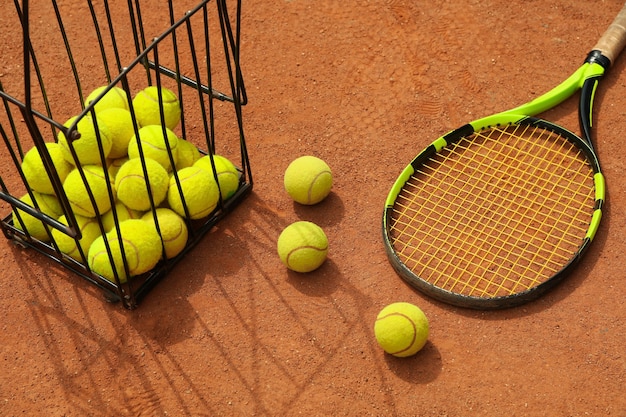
{"points": [[308, 180], [154, 145], [227, 174], [199, 190], [401, 329], [302, 246], [173, 230], [141, 246], [122, 212], [114, 166], [121, 129], [87, 146], [132, 185], [35, 173], [76, 191], [187, 154], [115, 98], [90, 230], [146, 106], [48, 205]]}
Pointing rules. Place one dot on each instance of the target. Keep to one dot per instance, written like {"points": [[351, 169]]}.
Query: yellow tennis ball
{"points": [[121, 129], [227, 174], [123, 213], [187, 154], [173, 229], [114, 166], [132, 185], [142, 249], [308, 180], [401, 329], [76, 191], [48, 204], [302, 246], [90, 230], [115, 98], [154, 144], [199, 190], [36, 174], [87, 146], [146, 106]]}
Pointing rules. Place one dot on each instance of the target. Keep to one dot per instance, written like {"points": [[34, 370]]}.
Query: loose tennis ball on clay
{"points": [[121, 129], [302, 246], [36, 174], [154, 144], [132, 185], [115, 98], [401, 329], [122, 212], [308, 180], [146, 106], [48, 204], [76, 191], [87, 146], [173, 228], [142, 249], [199, 190], [227, 174], [90, 230], [187, 154]]}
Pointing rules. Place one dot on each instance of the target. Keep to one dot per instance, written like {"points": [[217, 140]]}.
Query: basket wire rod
{"points": [[28, 47], [237, 84], [6, 99], [177, 73], [209, 129], [68, 50], [232, 44], [72, 228], [96, 25], [109, 19]]}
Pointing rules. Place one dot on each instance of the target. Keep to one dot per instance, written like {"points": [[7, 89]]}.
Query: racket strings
{"points": [[496, 213]]}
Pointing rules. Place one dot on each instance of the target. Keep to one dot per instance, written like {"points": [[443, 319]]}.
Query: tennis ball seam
{"points": [[314, 183], [410, 345], [155, 99], [154, 146], [294, 250], [201, 212], [120, 183], [179, 233], [127, 244]]}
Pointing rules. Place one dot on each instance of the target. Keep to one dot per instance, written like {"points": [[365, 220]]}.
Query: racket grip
{"points": [[614, 38]]}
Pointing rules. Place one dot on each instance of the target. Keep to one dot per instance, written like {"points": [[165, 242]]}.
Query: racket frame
{"points": [[585, 78]]}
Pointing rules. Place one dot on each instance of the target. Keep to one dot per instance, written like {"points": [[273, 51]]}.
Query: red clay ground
{"points": [[232, 332]]}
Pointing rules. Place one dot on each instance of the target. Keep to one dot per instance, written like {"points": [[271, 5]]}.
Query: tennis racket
{"points": [[495, 213]]}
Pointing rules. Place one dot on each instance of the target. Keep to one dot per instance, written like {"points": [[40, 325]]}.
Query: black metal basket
{"points": [[195, 56]]}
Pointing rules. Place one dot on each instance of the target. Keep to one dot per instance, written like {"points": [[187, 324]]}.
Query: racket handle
{"points": [[614, 39]]}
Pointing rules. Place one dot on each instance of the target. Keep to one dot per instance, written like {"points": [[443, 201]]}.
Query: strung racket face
{"points": [[492, 219]]}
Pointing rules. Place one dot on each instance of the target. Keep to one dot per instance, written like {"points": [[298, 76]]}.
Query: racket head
{"points": [[493, 217]]}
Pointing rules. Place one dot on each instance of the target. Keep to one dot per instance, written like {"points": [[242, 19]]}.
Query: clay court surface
{"points": [[363, 85]]}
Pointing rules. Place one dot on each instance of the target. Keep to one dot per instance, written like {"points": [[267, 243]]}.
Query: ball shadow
{"points": [[319, 283], [421, 368], [328, 212]]}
